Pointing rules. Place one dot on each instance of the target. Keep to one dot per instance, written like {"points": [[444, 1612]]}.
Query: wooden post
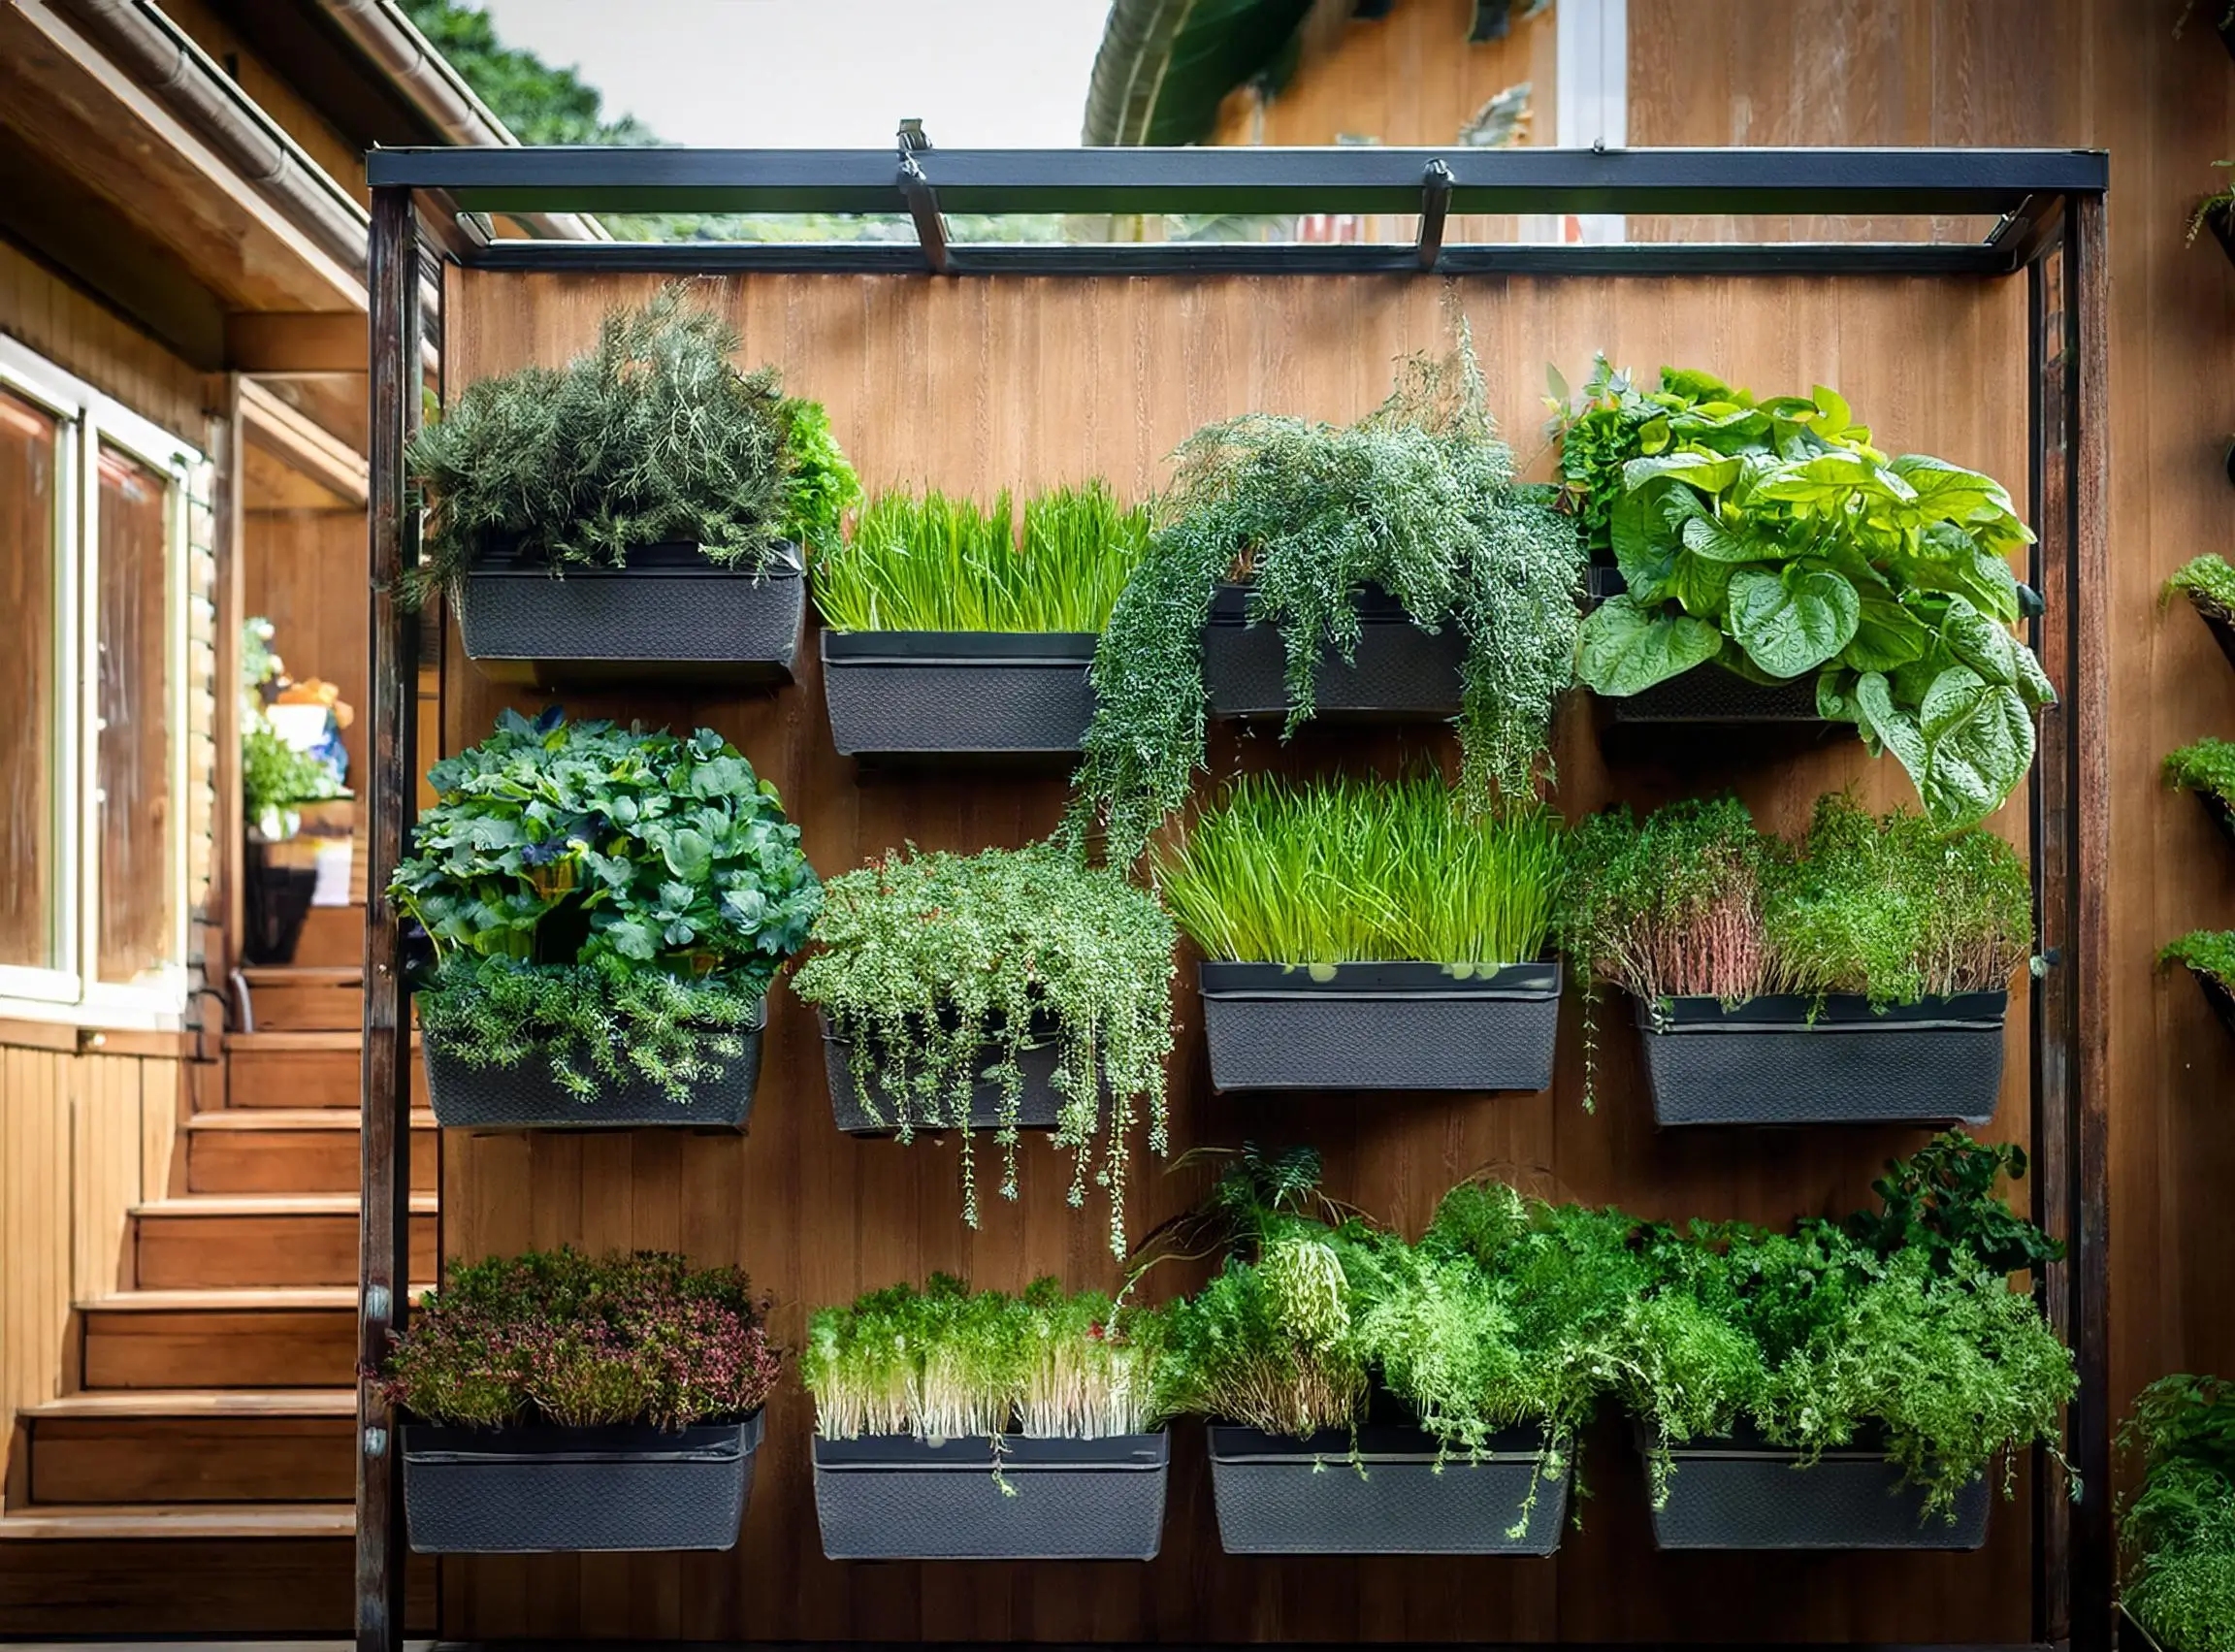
{"points": [[384, 1255]]}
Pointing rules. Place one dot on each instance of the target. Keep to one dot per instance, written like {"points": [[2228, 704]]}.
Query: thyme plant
{"points": [[2176, 1528], [941, 968], [1418, 499]]}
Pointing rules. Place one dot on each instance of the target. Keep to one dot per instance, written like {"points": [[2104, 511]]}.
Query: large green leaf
{"points": [[1707, 472], [1701, 584], [1642, 553], [1793, 620], [1625, 649], [1979, 743], [1893, 728], [1978, 642], [1887, 635], [1705, 536], [1949, 491]]}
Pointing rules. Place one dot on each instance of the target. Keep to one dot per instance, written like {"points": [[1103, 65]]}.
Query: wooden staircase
{"points": [[199, 1476]]}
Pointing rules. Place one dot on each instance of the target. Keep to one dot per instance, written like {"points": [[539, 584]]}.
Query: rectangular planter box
{"points": [[903, 693], [541, 1490], [1038, 1108], [1706, 693], [2222, 629], [1379, 1026], [2215, 995], [527, 1097], [1767, 1062], [1739, 1495], [1278, 1496], [898, 1498], [1401, 673], [670, 615]]}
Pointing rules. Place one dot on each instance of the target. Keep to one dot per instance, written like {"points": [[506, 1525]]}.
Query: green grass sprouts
{"points": [[1353, 871], [929, 562]]}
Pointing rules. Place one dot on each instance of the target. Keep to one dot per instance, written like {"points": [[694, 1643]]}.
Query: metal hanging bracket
{"points": [[1435, 207], [921, 199]]}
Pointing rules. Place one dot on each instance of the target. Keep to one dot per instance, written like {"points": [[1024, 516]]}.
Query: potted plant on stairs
{"points": [[560, 1402], [952, 1425], [607, 911]]}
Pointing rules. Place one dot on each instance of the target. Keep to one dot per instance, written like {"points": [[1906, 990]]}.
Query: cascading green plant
{"points": [[2176, 1528], [2209, 584], [2209, 953], [1770, 538], [929, 962], [1352, 870], [933, 562], [1418, 499], [2206, 765]]}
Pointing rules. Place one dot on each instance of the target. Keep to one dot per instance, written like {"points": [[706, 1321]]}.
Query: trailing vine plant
{"points": [[2176, 1528]]}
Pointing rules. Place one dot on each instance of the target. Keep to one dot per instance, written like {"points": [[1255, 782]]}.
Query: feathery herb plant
{"points": [[933, 562], [1420, 499], [1350, 870], [2205, 765], [2178, 1526], [929, 960], [2209, 583]]}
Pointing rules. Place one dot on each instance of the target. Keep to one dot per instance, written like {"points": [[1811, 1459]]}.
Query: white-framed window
{"points": [[94, 815]]}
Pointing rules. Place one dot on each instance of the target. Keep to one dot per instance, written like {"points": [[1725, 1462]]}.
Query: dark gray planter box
{"points": [[909, 693], [539, 1489], [1401, 673], [1278, 1496], [527, 1097], [1734, 1494], [1038, 1108], [2221, 628], [1708, 694], [2222, 811], [2216, 994], [898, 1498], [1766, 1061], [1379, 1026], [670, 616]]}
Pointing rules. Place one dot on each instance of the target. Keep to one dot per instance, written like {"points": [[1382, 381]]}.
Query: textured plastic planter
{"points": [[1734, 1494], [898, 1498], [1412, 1026], [1401, 673], [2221, 628], [540, 1490], [2219, 808], [1038, 1108], [668, 615], [1706, 694], [1278, 1496], [528, 1097], [907, 693], [1766, 1061], [2216, 994]]}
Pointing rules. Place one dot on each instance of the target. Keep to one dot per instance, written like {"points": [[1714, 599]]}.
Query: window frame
{"points": [[88, 421]]}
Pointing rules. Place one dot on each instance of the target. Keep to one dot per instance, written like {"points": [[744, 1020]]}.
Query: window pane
{"points": [[139, 892], [29, 452]]}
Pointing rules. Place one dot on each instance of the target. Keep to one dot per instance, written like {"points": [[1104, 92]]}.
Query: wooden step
{"points": [[278, 1149], [191, 1447], [304, 1069], [222, 1587], [108, 1522], [331, 936], [296, 1336], [213, 1241], [295, 998]]}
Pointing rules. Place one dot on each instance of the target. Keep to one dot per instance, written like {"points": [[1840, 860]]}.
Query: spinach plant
{"points": [[1772, 539]]}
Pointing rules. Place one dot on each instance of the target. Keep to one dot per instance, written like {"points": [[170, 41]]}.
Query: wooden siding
{"points": [[1024, 383], [78, 334]]}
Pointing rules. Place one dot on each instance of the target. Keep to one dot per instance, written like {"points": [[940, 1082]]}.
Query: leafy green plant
{"points": [[2176, 1528], [1772, 539], [1941, 1201], [2207, 952], [1670, 906], [945, 1363], [651, 437], [618, 900], [582, 1342], [1418, 499], [1351, 870], [929, 962], [273, 774], [2205, 765], [2209, 583], [821, 487], [931, 563]]}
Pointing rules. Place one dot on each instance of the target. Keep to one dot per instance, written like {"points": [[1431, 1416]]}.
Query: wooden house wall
{"points": [[973, 385]]}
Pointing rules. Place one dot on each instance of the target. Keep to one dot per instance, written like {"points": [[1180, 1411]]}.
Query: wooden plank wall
{"points": [[973, 385], [78, 334]]}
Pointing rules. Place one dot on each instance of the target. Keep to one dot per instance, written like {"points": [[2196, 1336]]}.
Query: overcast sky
{"points": [[811, 74]]}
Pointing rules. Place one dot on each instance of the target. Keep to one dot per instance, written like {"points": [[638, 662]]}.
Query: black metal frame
{"points": [[2048, 207]]}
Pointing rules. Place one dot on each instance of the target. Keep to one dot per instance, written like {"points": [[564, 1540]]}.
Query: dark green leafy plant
{"points": [[273, 774], [581, 1342], [2206, 765], [1418, 499], [821, 487], [2176, 1528], [1772, 539], [616, 899], [2207, 952], [927, 961], [1941, 1201], [652, 436], [2209, 583]]}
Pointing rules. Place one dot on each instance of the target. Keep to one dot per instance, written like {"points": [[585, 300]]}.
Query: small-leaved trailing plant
{"points": [[583, 1342], [941, 969], [616, 900], [2176, 1528], [2209, 584], [2208, 953], [928, 562], [653, 436], [1772, 539], [1350, 870], [1418, 499], [2215, 205], [2206, 765]]}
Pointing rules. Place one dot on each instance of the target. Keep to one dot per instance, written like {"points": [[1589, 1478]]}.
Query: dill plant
{"points": [[1420, 499], [929, 562], [2176, 1528], [927, 961], [1351, 870]]}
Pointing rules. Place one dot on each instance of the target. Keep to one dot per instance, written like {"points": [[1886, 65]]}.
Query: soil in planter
{"points": [[528, 1096], [1038, 1108], [1380, 1026], [1401, 673], [1740, 1494], [670, 615], [1766, 1061], [918, 694], [898, 1498], [541, 1489]]}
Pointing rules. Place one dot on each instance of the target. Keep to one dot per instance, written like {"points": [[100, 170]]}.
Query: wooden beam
{"points": [[302, 446], [295, 341]]}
